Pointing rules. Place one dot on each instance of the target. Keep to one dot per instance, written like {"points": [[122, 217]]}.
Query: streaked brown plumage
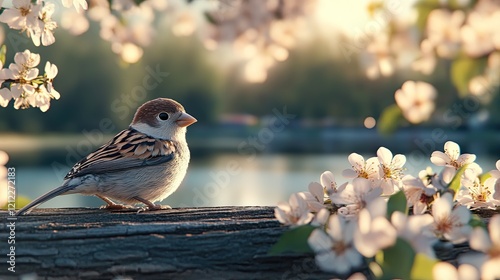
{"points": [[144, 163]]}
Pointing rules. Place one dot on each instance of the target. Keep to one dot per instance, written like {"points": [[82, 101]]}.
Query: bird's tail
{"points": [[47, 196]]}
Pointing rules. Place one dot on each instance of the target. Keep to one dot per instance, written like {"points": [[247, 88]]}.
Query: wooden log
{"points": [[195, 243], [182, 243]]}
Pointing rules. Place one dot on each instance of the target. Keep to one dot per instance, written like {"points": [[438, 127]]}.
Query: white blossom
{"points": [[356, 196], [374, 232], [294, 213], [451, 156], [23, 15], [334, 249], [450, 223], [416, 100], [360, 168], [390, 170], [475, 194], [418, 194], [45, 28]]}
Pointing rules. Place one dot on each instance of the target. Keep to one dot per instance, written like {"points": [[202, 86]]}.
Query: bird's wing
{"points": [[128, 149]]}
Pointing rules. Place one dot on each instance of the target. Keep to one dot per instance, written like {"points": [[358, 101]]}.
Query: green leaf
{"points": [[3, 53], [456, 181], [483, 177], [422, 267], [476, 221], [397, 202], [389, 120], [396, 261], [463, 69], [294, 240]]}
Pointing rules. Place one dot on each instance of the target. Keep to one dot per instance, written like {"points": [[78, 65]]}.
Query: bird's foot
{"points": [[112, 205], [150, 206], [115, 206], [154, 207]]}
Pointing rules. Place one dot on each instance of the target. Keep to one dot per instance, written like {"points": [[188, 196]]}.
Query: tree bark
{"points": [[182, 243], [194, 243]]}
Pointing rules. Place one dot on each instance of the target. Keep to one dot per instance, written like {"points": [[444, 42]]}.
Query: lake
{"points": [[226, 179]]}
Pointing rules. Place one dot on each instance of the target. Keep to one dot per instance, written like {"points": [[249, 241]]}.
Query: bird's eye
{"points": [[163, 116]]}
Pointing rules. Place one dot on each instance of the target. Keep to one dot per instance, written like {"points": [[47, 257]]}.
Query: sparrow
{"points": [[144, 163]]}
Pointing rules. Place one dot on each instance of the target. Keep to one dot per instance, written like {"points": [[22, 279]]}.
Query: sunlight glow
{"points": [[344, 16], [370, 122]]}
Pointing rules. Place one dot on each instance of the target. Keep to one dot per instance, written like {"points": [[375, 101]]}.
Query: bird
{"points": [[144, 163]]}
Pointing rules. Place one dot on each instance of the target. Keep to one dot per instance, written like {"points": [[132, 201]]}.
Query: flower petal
{"points": [[328, 181], [452, 150], [494, 228], [349, 173], [335, 228], [441, 207], [384, 156], [319, 241], [440, 158], [466, 159], [490, 270], [357, 161], [462, 214], [321, 218], [317, 191], [444, 270], [398, 161], [479, 240]]}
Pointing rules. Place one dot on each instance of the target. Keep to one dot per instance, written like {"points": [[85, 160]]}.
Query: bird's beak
{"points": [[185, 119]]}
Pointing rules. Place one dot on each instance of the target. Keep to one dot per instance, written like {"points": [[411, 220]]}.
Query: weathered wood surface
{"points": [[194, 243], [199, 243]]}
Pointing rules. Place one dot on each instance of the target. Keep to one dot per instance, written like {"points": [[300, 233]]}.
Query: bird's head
{"points": [[162, 118]]}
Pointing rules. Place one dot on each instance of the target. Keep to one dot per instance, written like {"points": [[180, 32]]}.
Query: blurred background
{"points": [[282, 90]]}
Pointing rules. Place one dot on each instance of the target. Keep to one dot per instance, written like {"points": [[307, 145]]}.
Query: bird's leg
{"points": [[151, 206], [111, 204]]}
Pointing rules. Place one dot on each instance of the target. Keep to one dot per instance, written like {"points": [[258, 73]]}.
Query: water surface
{"points": [[228, 179]]}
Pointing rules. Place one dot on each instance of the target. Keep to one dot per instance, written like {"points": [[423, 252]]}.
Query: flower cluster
{"points": [[261, 31], [352, 220], [22, 82], [461, 31], [474, 33], [3, 178], [126, 25], [33, 18]]}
